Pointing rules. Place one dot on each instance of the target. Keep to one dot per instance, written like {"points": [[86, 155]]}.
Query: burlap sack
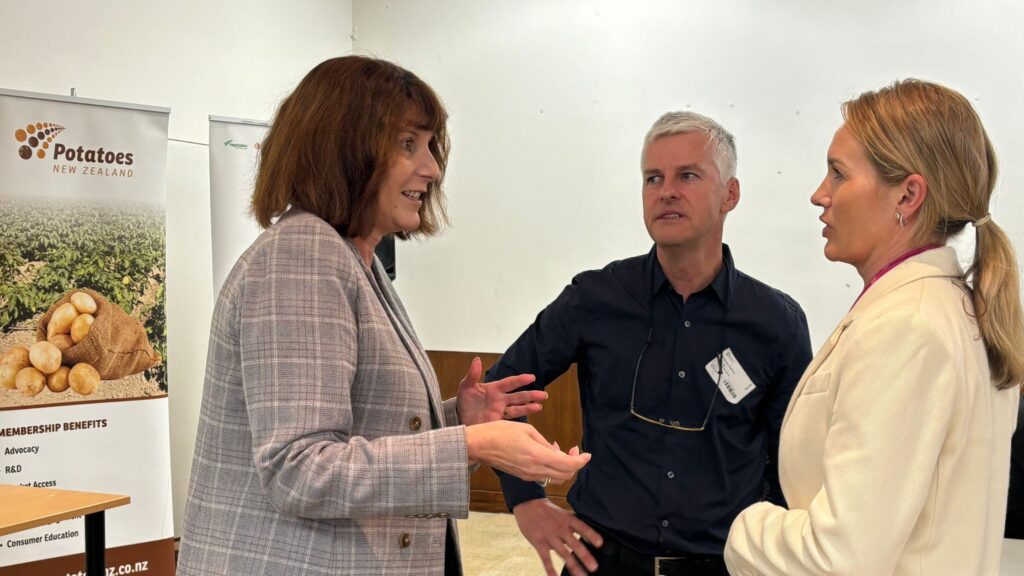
{"points": [[116, 345]]}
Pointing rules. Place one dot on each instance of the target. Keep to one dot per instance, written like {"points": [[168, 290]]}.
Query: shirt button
{"points": [[406, 540], [664, 523], [687, 324], [682, 373], [415, 423], [671, 474]]}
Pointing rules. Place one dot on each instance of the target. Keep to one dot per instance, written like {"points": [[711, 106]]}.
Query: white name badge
{"points": [[734, 384]]}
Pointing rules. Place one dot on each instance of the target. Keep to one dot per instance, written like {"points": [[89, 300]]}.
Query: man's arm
{"points": [[546, 349], [794, 355]]}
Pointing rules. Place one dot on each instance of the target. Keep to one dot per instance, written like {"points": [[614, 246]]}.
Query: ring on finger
{"points": [[545, 483], [504, 414]]}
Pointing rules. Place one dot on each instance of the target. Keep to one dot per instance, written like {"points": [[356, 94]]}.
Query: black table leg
{"points": [[95, 544]]}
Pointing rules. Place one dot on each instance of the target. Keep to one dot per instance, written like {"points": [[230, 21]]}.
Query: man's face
{"points": [[685, 200]]}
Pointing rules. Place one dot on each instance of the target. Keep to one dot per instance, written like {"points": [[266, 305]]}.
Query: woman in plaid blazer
{"points": [[324, 446]]}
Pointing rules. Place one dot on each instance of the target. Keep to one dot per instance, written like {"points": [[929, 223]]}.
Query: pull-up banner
{"points": [[234, 161], [234, 154], [83, 384]]}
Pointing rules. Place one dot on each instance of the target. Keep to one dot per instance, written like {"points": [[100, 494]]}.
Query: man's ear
{"points": [[732, 195]]}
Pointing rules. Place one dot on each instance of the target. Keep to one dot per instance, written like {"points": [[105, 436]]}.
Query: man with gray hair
{"points": [[686, 366]]}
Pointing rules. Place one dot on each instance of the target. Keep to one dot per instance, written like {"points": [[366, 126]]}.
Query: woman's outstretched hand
{"points": [[518, 449]]}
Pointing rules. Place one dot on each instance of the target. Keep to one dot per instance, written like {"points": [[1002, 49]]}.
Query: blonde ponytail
{"points": [[995, 279]]}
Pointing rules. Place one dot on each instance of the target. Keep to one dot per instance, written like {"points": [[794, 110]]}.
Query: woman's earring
{"points": [[901, 220]]}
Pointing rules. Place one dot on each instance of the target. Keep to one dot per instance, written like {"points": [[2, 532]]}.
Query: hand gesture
{"points": [[549, 528], [479, 402], [518, 449]]}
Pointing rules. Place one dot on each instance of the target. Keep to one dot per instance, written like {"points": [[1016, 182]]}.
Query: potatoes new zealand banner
{"points": [[83, 343]]}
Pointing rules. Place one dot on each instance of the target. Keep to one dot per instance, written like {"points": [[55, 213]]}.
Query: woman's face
{"points": [[859, 210], [402, 192]]}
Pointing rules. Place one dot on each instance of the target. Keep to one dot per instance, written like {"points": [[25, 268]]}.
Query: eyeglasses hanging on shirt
{"points": [[672, 423]]}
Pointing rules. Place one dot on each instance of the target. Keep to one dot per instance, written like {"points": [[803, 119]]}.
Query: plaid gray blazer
{"points": [[322, 446]]}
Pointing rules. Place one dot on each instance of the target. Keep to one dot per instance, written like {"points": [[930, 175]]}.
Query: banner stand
{"points": [[83, 343]]}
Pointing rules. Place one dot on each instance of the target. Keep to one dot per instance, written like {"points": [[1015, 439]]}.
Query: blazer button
{"points": [[406, 540], [415, 423]]}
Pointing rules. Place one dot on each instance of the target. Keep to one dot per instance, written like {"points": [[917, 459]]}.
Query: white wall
{"points": [[550, 102], [230, 58]]}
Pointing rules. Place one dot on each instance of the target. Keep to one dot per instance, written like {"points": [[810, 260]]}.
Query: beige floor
{"points": [[493, 546]]}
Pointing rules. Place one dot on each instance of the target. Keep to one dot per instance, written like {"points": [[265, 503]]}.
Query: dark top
{"points": [[659, 490], [1015, 502]]}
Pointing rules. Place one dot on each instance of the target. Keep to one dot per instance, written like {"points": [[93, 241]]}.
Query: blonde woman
{"points": [[895, 447]]}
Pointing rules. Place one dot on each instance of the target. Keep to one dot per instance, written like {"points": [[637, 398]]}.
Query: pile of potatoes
{"points": [[29, 369]]}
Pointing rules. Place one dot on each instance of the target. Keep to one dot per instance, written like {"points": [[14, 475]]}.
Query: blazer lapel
{"points": [[396, 314], [819, 358], [419, 357]]}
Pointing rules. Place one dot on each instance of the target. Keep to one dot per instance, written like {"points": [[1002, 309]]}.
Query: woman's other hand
{"points": [[480, 402], [518, 449]]}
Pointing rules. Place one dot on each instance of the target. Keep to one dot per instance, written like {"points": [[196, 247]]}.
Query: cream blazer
{"points": [[895, 448]]}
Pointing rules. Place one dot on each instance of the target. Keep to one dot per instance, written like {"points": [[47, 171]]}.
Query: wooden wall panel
{"points": [[559, 421]]}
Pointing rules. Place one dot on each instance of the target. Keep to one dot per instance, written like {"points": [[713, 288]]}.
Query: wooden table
{"points": [[23, 507]]}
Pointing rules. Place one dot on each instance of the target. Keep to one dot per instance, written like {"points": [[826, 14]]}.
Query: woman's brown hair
{"points": [[918, 127], [332, 140]]}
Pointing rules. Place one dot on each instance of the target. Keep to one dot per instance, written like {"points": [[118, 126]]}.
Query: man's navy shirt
{"points": [[658, 490]]}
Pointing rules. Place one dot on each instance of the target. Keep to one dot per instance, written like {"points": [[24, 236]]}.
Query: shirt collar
{"points": [[721, 285], [940, 262]]}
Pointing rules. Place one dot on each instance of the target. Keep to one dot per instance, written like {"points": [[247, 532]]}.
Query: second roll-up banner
{"points": [[234, 155], [234, 160]]}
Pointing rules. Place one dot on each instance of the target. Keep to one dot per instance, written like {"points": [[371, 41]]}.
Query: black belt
{"points": [[678, 565]]}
